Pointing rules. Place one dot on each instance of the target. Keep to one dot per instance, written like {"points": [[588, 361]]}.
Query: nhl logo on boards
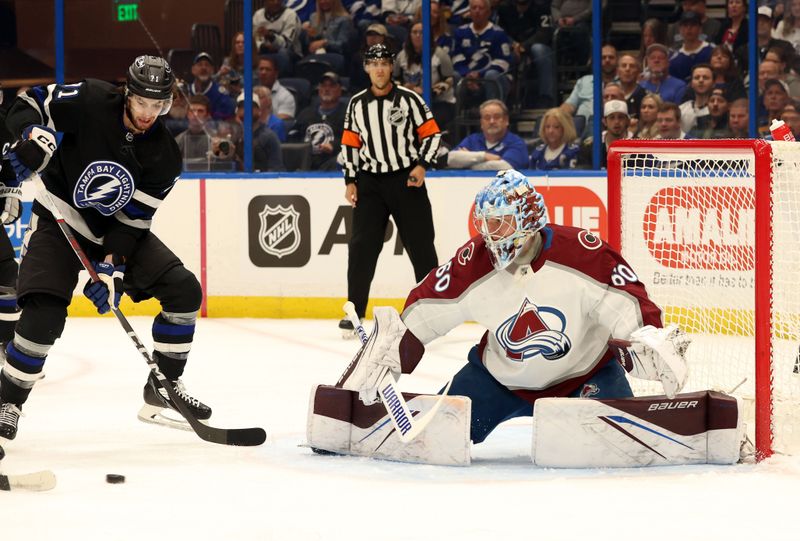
{"points": [[279, 230]]}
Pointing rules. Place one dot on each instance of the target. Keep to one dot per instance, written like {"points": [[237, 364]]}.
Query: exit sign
{"points": [[126, 10]]}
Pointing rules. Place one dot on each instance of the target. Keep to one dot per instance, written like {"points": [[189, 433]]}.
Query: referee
{"points": [[390, 139]]}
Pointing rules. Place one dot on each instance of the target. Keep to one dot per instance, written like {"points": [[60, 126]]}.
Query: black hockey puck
{"points": [[115, 479]]}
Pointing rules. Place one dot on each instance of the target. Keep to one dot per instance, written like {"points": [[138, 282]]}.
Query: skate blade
{"points": [[158, 416]]}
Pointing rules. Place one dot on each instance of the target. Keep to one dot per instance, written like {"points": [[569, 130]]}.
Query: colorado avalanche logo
{"points": [[530, 333], [106, 186], [279, 233]]}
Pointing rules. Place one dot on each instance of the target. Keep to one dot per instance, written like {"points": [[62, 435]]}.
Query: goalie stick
{"points": [[225, 436], [396, 406]]}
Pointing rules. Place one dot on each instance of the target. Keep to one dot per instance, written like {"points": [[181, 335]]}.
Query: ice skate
{"points": [[157, 403], [348, 331], [9, 417]]}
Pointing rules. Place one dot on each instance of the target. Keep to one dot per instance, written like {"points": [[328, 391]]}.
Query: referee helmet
{"points": [[378, 51]]}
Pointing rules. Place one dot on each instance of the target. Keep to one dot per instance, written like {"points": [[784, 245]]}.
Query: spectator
{"points": [[628, 71], [376, 34], [397, 15], [616, 120], [303, 8], [330, 30], [176, 119], [661, 82], [693, 50], [696, 106], [739, 119], [669, 122], [495, 148], [276, 30], [322, 125], [222, 106], [785, 58], [558, 149], [233, 64], [725, 71], [767, 69], [764, 39], [266, 146], [791, 116], [653, 31], [733, 33], [283, 104], [439, 27], [265, 114], [483, 50], [408, 72], [200, 148], [789, 28], [580, 101], [363, 12], [613, 91], [776, 96], [573, 19], [648, 116], [529, 25], [710, 27], [715, 124]]}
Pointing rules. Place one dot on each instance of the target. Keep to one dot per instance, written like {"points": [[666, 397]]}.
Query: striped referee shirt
{"points": [[384, 134]]}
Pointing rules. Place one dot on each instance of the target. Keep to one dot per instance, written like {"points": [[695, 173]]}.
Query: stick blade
{"points": [[243, 437], [37, 481]]}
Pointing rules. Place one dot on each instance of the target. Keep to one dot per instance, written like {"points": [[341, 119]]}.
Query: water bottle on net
{"points": [[781, 131]]}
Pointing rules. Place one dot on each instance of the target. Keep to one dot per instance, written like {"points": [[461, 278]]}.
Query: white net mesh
{"points": [[688, 226]]}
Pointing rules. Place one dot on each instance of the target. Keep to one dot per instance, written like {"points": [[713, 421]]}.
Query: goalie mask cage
{"points": [[712, 229]]}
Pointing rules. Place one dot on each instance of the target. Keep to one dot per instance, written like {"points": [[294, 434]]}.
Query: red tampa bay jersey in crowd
{"points": [[549, 321]]}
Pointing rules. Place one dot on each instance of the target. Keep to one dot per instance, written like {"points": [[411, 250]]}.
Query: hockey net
{"points": [[712, 228]]}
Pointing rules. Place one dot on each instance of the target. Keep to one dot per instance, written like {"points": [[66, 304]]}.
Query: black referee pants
{"points": [[381, 196]]}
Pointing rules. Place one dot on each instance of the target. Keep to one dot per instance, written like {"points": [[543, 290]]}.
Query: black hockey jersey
{"points": [[106, 181]]}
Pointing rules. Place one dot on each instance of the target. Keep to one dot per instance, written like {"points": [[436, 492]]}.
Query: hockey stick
{"points": [[396, 406], [36, 481], [225, 436]]}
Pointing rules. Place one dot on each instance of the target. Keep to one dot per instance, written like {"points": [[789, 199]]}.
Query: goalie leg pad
{"points": [[693, 428], [340, 423]]}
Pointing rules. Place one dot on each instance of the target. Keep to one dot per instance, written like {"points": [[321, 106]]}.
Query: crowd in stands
{"points": [[686, 76]]}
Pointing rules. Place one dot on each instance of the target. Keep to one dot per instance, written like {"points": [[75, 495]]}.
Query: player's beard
{"points": [[135, 123]]}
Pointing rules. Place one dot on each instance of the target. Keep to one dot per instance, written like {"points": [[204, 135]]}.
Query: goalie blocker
{"points": [[693, 428]]}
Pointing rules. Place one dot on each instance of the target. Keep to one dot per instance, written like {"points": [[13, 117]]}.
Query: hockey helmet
{"points": [[507, 213], [151, 77], [378, 51]]}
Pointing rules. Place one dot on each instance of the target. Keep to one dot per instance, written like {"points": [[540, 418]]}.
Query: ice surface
{"points": [[81, 422]]}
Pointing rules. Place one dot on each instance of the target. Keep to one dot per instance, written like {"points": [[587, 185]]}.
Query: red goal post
{"points": [[712, 228]]}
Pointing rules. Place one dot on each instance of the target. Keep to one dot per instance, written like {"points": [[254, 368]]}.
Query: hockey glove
{"points": [[108, 288], [380, 353], [10, 203], [32, 153], [656, 354]]}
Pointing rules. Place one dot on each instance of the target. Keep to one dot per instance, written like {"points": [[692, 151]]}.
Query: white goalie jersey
{"points": [[549, 322]]}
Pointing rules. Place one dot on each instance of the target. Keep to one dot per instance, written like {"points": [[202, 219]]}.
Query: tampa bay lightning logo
{"points": [[106, 186], [534, 330]]}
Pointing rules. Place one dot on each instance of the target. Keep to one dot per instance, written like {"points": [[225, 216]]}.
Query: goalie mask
{"points": [[508, 212]]}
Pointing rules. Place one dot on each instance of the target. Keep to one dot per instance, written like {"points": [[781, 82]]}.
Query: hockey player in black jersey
{"points": [[10, 210], [107, 163]]}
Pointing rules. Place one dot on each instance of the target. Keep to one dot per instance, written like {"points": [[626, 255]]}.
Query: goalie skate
{"points": [[159, 409]]}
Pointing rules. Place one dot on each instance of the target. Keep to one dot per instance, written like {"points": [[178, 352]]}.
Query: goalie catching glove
{"points": [[390, 348], [655, 354]]}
